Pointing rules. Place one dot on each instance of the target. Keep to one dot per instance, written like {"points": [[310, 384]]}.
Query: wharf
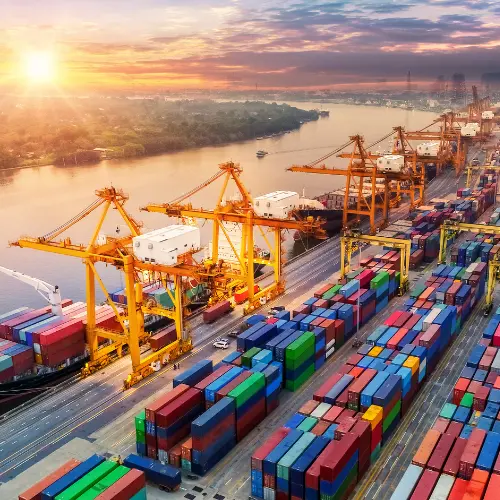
{"points": [[98, 411]]}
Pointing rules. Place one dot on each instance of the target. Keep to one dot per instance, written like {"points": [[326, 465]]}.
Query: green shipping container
{"points": [[467, 400], [247, 388], [86, 482], [397, 277], [293, 385], [186, 465], [448, 411], [352, 274], [290, 457], [332, 292], [104, 483], [297, 349], [392, 415], [380, 279], [246, 358], [307, 424], [140, 427], [417, 291]]}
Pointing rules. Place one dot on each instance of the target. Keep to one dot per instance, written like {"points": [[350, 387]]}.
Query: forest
{"points": [[67, 132]]}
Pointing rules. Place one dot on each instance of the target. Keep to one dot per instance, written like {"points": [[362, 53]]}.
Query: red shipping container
{"points": [[441, 452], [326, 386], [402, 319], [332, 414], [163, 338], [320, 428], [354, 359], [126, 487], [477, 485], [474, 386], [338, 456], [416, 340], [460, 389], [425, 485], [313, 473], [480, 398], [454, 429], [23, 362], [344, 428], [337, 298], [35, 492], [224, 391], [56, 358], [164, 400], [441, 424], [458, 490], [203, 384], [493, 488], [393, 342], [393, 318], [181, 405], [470, 453], [412, 321], [320, 303], [355, 389], [342, 399], [356, 371], [71, 328]]}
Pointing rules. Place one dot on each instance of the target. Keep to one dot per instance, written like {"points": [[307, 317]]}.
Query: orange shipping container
{"points": [[35, 492], [308, 407], [426, 448], [493, 488], [477, 485]]}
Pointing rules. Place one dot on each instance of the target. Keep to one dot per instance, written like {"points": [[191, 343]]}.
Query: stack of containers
{"points": [[15, 360], [362, 404], [213, 435], [140, 434], [165, 476], [93, 478], [299, 360]]}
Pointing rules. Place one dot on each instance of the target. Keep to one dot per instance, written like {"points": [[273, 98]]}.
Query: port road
{"points": [[99, 402]]}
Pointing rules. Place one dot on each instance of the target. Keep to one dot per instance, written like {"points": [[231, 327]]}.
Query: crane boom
{"points": [[42, 287]]}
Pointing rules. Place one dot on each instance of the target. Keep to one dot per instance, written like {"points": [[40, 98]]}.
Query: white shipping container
{"points": [[276, 205], [391, 163], [434, 313], [408, 482], [462, 114], [320, 410], [443, 487], [495, 366], [487, 115], [471, 268], [474, 126], [269, 494], [225, 251], [428, 149], [165, 245], [467, 132], [329, 352], [330, 344]]}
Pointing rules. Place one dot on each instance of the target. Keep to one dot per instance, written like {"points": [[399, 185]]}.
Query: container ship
{"points": [[329, 206]]}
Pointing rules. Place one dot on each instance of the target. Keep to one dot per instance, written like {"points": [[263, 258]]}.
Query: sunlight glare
{"points": [[39, 67]]}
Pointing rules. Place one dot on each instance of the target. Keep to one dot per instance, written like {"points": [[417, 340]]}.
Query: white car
{"points": [[221, 344]]}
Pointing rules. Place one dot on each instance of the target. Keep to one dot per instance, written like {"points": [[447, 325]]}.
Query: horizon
{"points": [[108, 46]]}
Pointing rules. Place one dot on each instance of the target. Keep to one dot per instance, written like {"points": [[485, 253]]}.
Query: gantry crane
{"points": [[117, 252], [221, 277], [361, 166], [351, 241], [470, 169], [493, 278], [49, 292], [450, 229]]}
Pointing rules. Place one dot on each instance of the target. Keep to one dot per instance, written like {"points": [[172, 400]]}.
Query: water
{"points": [[36, 200]]}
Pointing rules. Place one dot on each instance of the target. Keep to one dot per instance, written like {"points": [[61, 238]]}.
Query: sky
{"points": [[154, 45]]}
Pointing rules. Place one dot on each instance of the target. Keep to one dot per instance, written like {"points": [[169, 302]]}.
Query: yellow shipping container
{"points": [[375, 351], [374, 415], [413, 363]]}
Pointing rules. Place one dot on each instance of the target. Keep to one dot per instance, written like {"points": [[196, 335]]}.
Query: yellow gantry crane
{"points": [[450, 229], [493, 278], [223, 278], [118, 253], [361, 167], [351, 242], [471, 169]]}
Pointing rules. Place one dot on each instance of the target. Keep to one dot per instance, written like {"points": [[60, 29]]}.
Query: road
{"points": [[98, 402]]}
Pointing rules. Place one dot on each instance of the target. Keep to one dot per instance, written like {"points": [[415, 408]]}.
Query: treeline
{"points": [[66, 133]]}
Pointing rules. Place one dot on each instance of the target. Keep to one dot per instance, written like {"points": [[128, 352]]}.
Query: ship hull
{"points": [[332, 217]]}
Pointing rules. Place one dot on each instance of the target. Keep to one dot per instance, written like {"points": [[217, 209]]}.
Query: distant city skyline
{"points": [[150, 45]]}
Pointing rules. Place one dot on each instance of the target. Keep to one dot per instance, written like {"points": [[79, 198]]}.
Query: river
{"points": [[34, 201]]}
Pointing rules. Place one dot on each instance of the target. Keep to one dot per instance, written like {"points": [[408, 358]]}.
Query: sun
{"points": [[39, 67]]}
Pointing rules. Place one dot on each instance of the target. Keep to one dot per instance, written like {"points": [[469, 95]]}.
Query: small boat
{"points": [[261, 154], [260, 138]]}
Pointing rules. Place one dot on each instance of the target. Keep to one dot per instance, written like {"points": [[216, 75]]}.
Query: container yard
{"points": [[314, 400]]}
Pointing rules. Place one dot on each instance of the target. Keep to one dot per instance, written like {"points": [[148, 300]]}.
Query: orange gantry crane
{"points": [[369, 196], [225, 276], [117, 251]]}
